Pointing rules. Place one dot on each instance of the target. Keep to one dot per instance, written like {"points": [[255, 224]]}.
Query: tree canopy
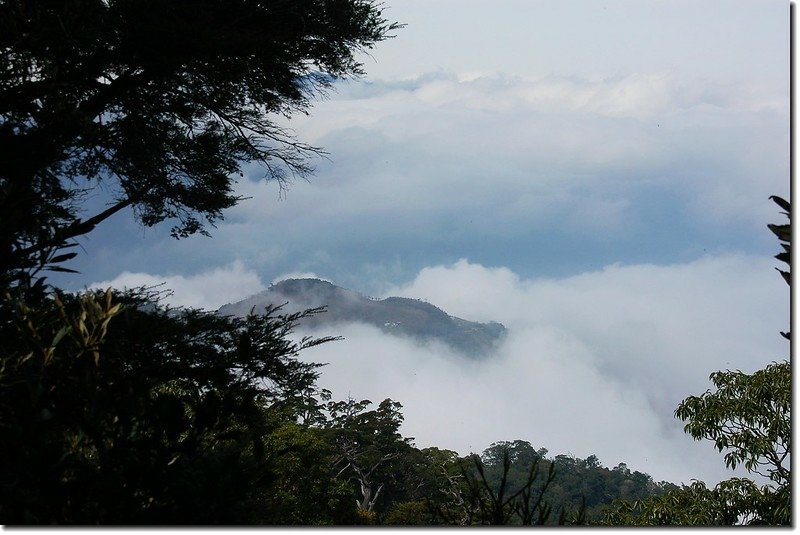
{"points": [[747, 416], [161, 101], [116, 409]]}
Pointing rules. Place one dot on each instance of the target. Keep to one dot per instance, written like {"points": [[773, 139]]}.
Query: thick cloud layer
{"points": [[593, 364], [553, 175]]}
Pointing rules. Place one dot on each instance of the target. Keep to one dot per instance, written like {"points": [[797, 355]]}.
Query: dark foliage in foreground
{"points": [[115, 410]]}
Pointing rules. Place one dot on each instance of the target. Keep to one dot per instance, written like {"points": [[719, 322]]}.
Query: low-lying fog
{"points": [[592, 364]]}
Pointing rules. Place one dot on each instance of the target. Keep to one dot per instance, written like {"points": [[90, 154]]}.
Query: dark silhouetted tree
{"points": [[160, 102], [116, 410], [367, 442]]}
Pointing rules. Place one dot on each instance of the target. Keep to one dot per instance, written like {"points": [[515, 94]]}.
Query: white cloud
{"points": [[452, 163], [207, 290], [443, 142], [664, 328], [638, 95], [298, 275], [593, 364]]}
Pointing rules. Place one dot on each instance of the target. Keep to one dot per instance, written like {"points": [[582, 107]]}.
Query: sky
{"points": [[593, 174]]}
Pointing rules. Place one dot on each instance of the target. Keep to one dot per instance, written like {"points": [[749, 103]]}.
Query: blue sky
{"points": [[543, 143]]}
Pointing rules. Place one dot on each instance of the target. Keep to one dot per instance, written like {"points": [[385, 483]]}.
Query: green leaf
{"points": [[782, 203], [63, 257], [60, 269], [60, 334]]}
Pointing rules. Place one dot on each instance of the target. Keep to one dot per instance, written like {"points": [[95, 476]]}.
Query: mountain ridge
{"points": [[399, 316]]}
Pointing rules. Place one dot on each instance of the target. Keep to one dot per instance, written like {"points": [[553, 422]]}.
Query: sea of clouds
{"points": [[615, 225], [593, 364]]}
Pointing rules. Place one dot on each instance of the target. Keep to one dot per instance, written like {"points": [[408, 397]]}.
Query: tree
{"points": [[414, 513], [160, 102], [428, 484], [303, 491], [519, 452], [117, 410], [784, 234], [495, 494], [366, 443], [747, 416], [692, 505]]}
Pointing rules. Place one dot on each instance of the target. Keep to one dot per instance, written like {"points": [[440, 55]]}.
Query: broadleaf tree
{"points": [[748, 417], [115, 409], [160, 102], [118, 410], [367, 444]]}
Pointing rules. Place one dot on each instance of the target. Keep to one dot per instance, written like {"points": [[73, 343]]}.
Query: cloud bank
{"points": [[593, 364], [646, 167], [552, 175]]}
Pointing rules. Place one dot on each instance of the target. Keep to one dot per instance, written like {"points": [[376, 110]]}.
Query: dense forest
{"points": [[116, 409]]}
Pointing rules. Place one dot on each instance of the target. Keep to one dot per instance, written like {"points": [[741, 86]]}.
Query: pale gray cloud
{"points": [[731, 39], [446, 164], [442, 142]]}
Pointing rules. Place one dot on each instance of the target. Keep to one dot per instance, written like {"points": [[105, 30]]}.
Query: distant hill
{"points": [[394, 315]]}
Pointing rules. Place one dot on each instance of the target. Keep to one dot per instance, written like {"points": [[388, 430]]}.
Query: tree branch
{"points": [[77, 228]]}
